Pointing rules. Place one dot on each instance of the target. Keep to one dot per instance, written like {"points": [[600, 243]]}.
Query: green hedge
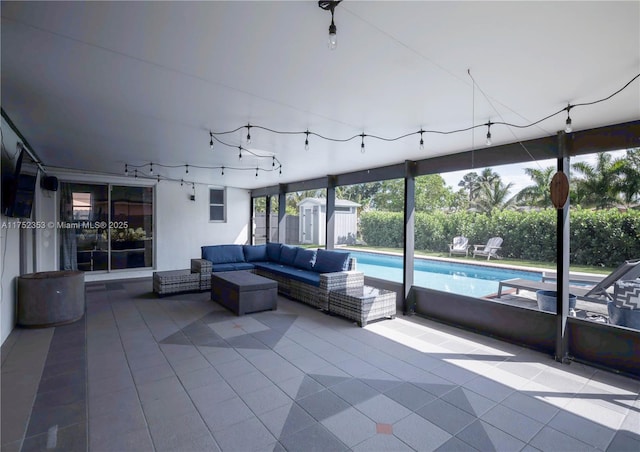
{"points": [[598, 238]]}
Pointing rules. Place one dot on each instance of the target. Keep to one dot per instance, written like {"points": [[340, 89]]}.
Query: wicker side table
{"points": [[174, 281], [363, 304]]}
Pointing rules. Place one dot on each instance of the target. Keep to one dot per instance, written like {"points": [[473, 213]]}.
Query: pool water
{"points": [[464, 279]]}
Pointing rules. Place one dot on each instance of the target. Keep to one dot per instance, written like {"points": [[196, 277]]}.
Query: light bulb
{"points": [[421, 142], [248, 134], [256, 172], [211, 141], [488, 139], [150, 168], [333, 38], [158, 178], [126, 170], [135, 174], [222, 171], [568, 127], [240, 153], [187, 169], [306, 141]]}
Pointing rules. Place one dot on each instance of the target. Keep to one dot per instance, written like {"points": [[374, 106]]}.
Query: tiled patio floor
{"points": [[183, 374]]}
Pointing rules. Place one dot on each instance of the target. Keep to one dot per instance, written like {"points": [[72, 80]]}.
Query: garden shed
{"points": [[313, 212]]}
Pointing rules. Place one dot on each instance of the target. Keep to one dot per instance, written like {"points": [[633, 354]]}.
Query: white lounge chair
{"points": [[460, 245], [490, 249]]}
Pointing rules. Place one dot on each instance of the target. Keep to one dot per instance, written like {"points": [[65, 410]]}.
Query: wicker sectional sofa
{"points": [[305, 275]]}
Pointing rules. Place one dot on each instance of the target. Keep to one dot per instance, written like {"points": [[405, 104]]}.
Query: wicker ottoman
{"points": [[174, 281], [243, 291], [202, 267], [363, 304]]}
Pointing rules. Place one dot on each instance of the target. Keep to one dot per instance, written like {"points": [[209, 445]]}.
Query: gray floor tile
{"points": [[249, 382], [159, 389], [174, 404], [446, 416], [483, 436], [71, 438], [469, 401], [286, 420], [350, 426], [188, 365], [409, 396], [300, 386], [199, 378], [212, 394], [265, 399], [354, 391], [550, 439], [225, 414], [522, 427], [315, 438], [248, 435], [323, 404], [386, 443], [155, 373], [537, 409], [489, 388], [455, 445], [625, 441], [582, 429], [453, 373], [120, 402], [419, 433], [382, 409]]}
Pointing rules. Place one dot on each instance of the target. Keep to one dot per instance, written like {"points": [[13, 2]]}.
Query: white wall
{"points": [[183, 225], [9, 250]]}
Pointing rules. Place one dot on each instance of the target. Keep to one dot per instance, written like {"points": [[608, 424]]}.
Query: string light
{"points": [[306, 141], [222, 171], [186, 169], [135, 174], [256, 171], [362, 144], [151, 168], [273, 163], [248, 134], [211, 140], [568, 127], [158, 178], [421, 140], [181, 182], [239, 152], [420, 132], [126, 169], [328, 5], [488, 143]]}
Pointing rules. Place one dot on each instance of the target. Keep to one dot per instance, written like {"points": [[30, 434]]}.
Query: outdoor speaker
{"points": [[49, 183]]}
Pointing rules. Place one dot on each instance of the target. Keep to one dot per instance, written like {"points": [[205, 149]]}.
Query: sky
{"points": [[515, 173]]}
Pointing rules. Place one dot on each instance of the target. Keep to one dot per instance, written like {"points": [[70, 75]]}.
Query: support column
{"points": [[252, 222], [282, 214], [409, 233], [267, 219], [330, 227], [562, 258]]}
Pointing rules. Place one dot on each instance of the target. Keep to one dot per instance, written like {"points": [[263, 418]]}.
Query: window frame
{"points": [[223, 205]]}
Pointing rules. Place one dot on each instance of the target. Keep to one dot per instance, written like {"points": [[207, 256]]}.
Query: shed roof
{"points": [[323, 201]]}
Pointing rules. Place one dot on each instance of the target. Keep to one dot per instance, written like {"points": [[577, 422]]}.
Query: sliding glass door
{"points": [[105, 227]]}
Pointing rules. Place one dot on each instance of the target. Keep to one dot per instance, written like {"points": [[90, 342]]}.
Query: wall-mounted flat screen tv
{"points": [[18, 189]]}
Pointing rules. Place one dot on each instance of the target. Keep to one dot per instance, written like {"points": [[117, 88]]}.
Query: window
{"points": [[217, 211], [81, 206]]}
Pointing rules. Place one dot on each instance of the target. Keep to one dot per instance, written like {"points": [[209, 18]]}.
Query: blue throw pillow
{"points": [[223, 254], [331, 261], [305, 259], [288, 254], [255, 253], [273, 251]]}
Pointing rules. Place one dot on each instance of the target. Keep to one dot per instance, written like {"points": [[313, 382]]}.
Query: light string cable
{"points": [[427, 131]]}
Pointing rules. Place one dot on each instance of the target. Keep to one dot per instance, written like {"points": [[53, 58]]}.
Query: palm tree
{"points": [[628, 171], [537, 195], [470, 183], [598, 183], [494, 195]]}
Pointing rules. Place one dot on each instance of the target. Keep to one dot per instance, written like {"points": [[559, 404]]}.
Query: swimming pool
{"points": [[464, 279]]}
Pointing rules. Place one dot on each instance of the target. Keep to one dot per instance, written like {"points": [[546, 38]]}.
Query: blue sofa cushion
{"points": [[331, 261], [232, 267], [305, 276], [273, 251], [288, 254], [255, 253], [223, 254], [305, 259]]}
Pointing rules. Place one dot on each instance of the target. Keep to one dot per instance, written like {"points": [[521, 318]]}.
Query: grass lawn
{"points": [[551, 266]]}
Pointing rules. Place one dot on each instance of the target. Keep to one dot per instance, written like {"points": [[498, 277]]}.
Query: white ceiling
{"points": [[95, 85]]}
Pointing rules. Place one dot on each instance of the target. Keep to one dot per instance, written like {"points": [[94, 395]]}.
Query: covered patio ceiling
{"points": [[93, 86]]}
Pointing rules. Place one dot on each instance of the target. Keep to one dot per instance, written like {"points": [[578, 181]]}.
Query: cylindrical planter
{"points": [[623, 316], [547, 300], [50, 298]]}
